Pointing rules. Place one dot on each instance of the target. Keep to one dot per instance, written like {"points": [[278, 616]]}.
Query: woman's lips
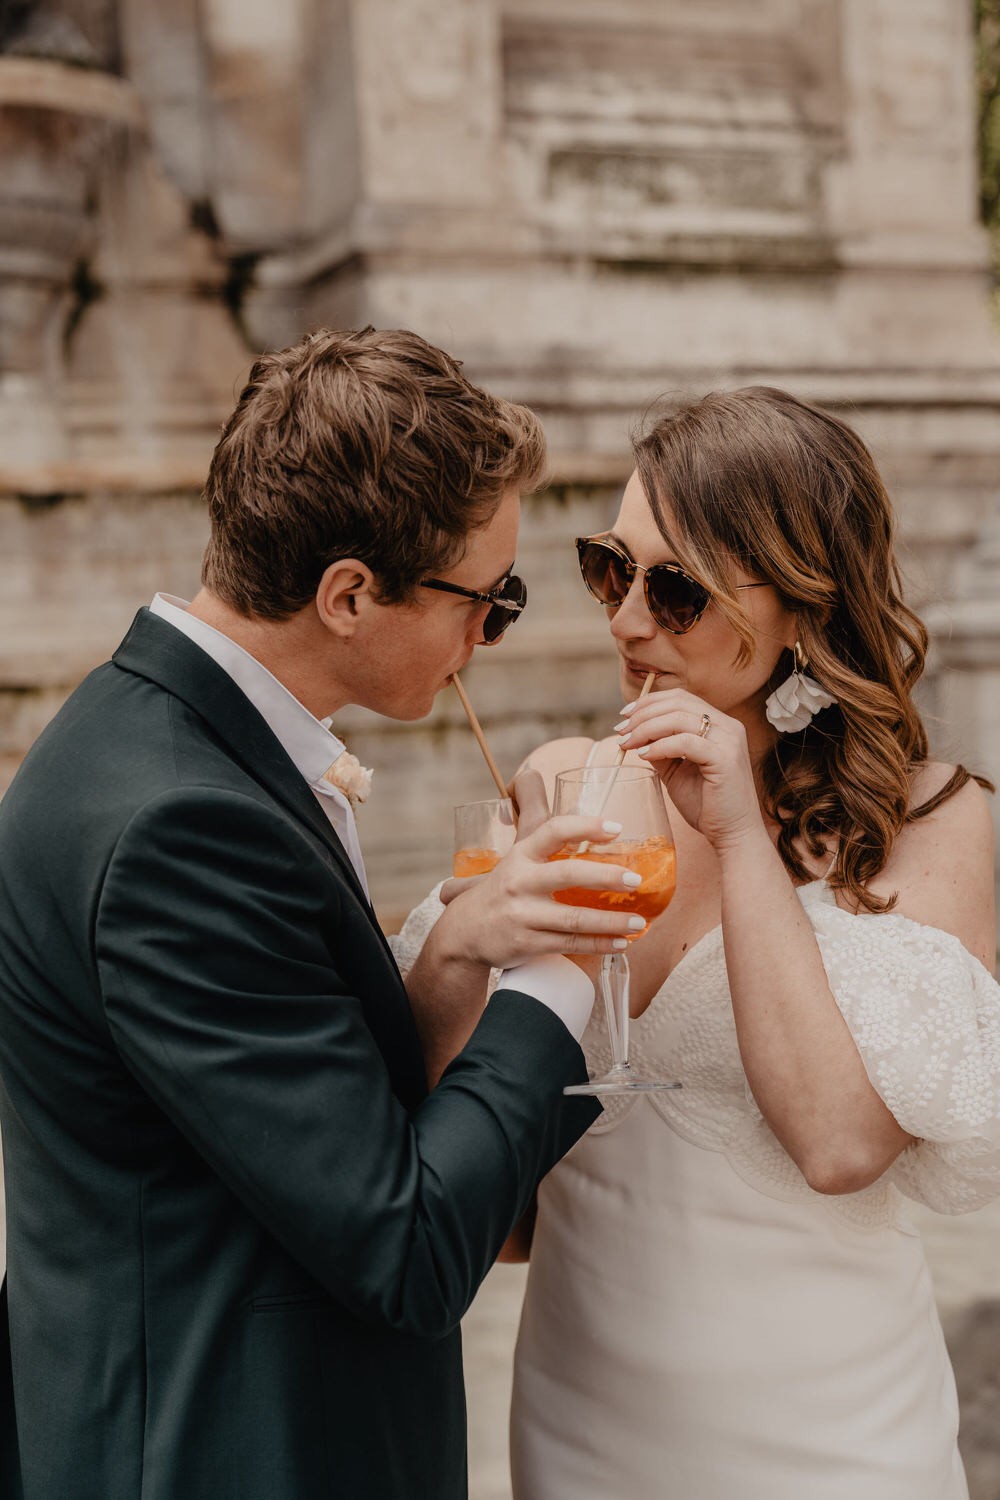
{"points": [[640, 668]]}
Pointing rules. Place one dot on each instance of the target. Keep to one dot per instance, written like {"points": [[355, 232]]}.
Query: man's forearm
{"points": [[447, 994]]}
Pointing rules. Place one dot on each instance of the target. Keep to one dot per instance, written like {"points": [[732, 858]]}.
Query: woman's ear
{"points": [[346, 587], [792, 632]]}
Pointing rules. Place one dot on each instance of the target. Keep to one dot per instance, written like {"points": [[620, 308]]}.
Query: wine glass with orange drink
{"points": [[484, 831], [631, 796]]}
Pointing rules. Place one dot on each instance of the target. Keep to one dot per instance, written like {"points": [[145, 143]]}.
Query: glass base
{"points": [[621, 1080]]}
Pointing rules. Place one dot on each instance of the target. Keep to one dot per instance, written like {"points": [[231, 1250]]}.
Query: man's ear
{"points": [[346, 586]]}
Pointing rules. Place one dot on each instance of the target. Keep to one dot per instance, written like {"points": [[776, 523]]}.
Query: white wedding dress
{"points": [[699, 1324]]}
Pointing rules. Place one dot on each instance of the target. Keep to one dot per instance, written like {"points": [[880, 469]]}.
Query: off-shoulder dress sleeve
{"points": [[925, 1016], [407, 943]]}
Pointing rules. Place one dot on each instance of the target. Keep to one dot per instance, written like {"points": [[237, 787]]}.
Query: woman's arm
{"points": [[805, 1072], [803, 1067]]}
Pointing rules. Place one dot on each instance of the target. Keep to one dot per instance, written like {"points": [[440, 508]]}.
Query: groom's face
{"points": [[411, 650]]}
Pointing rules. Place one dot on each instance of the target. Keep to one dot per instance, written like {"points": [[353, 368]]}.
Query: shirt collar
{"points": [[309, 744]]}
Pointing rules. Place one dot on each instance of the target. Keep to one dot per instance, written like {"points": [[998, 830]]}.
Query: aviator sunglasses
{"points": [[506, 602], [675, 600]]}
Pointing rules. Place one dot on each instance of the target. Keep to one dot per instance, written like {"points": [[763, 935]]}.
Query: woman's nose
{"points": [[632, 619]]}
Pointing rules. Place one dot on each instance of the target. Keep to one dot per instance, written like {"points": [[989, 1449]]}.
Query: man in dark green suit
{"points": [[242, 1228]]}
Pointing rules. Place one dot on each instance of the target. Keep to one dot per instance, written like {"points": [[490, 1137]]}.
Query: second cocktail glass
{"points": [[484, 831], [629, 795]]}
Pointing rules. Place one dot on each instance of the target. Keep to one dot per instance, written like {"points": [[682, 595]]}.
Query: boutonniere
{"points": [[349, 776]]}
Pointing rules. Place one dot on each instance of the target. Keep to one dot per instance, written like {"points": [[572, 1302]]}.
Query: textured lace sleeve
{"points": [[412, 936], [925, 1016]]}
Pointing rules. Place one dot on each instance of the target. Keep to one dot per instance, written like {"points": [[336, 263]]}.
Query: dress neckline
{"points": [[820, 880]]}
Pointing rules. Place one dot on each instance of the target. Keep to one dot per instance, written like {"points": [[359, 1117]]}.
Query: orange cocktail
{"points": [[475, 861], [654, 858], [484, 832]]}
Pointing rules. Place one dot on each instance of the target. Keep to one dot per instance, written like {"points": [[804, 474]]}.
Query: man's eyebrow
{"points": [[498, 581]]}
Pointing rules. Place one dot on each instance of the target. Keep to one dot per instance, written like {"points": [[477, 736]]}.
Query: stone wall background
{"points": [[592, 202]]}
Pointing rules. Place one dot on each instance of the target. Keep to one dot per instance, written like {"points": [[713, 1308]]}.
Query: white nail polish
{"points": [[636, 924], [620, 943], [628, 708], [622, 725], [610, 827], [631, 878]]}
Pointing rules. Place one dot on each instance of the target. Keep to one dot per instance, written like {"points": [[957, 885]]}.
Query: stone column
{"points": [[55, 121]]}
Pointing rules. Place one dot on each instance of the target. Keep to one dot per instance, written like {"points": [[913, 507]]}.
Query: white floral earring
{"points": [[794, 702]]}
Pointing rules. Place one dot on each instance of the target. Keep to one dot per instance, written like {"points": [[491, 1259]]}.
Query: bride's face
{"points": [[704, 660]]}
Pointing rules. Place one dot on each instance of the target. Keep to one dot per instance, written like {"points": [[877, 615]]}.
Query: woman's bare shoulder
{"points": [[555, 756], [942, 863], [564, 755]]}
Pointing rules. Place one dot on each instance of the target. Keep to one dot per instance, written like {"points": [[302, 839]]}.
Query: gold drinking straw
{"points": [[477, 729]]}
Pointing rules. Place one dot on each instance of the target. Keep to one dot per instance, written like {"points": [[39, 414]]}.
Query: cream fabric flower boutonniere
{"points": [[349, 776]]}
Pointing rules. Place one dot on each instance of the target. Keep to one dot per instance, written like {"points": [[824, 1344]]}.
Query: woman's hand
{"points": [[509, 916], [709, 776]]}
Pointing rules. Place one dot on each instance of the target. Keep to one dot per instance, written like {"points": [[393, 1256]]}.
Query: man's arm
{"points": [[217, 946]]}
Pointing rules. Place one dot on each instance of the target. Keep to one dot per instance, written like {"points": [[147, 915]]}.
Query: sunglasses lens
{"points": [[498, 618], [604, 572], [675, 601]]}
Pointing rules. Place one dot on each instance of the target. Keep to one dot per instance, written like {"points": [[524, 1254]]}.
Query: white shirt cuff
{"points": [[558, 984]]}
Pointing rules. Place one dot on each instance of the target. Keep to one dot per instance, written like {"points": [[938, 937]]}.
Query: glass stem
{"points": [[615, 992]]}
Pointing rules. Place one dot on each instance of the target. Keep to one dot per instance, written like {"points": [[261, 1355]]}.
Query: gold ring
{"points": [[706, 724]]}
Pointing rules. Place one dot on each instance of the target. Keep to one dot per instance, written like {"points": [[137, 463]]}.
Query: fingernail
{"points": [[620, 943], [622, 725], [628, 708], [610, 827], [632, 878], [623, 739], [636, 924]]}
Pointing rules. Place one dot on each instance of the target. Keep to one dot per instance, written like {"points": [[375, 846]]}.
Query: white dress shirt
{"points": [[309, 745]]}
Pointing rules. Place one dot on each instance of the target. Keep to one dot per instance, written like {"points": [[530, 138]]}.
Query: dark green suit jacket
{"points": [[241, 1234]]}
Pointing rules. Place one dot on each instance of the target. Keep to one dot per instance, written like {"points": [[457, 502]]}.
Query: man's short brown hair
{"points": [[362, 444]]}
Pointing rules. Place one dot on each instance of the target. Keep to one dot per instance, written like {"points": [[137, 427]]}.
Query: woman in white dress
{"points": [[726, 1300]]}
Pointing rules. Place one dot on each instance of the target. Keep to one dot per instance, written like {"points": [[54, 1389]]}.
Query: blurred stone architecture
{"points": [[592, 202]]}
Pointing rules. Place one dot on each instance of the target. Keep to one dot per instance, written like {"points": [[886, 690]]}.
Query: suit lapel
{"points": [[155, 650]]}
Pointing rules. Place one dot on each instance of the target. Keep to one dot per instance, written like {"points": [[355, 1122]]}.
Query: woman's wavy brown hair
{"points": [[755, 479]]}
